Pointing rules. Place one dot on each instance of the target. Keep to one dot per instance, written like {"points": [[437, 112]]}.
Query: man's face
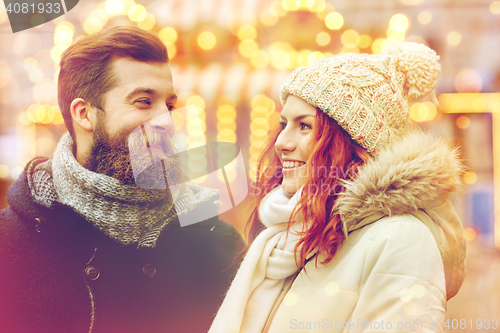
{"points": [[143, 93]]}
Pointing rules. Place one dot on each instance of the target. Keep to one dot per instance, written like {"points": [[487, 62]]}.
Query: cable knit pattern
{"points": [[127, 214], [367, 95]]}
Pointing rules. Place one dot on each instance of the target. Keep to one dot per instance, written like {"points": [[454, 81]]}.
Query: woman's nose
{"points": [[285, 142]]}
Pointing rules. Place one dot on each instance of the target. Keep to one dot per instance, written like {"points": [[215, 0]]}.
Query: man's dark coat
{"points": [[60, 274]]}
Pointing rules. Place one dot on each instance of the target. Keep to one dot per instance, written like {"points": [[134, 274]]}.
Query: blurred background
{"points": [[229, 57]]}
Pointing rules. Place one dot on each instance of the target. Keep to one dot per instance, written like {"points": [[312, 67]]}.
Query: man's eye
{"points": [[282, 125], [144, 101], [171, 107]]}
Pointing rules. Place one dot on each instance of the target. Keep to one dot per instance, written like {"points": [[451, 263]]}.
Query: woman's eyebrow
{"points": [[298, 118]]}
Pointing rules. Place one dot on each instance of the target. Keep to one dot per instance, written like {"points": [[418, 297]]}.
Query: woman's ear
{"points": [[83, 114]]}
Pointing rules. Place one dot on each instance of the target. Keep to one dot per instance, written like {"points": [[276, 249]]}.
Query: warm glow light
{"points": [[168, 35], [35, 75], [29, 64], [147, 23], [364, 41], [137, 13], [302, 57], [469, 234], [289, 5], [280, 59], [470, 177], [63, 37], [114, 7], [3, 16], [377, 46], [92, 25], [495, 7], [316, 5], [248, 48], [334, 21], [399, 23], [463, 122], [260, 59], [411, 2], [268, 18], [247, 32], [198, 101], [207, 40], [4, 171], [425, 17], [425, 111], [454, 38], [350, 38], [316, 55], [171, 50], [468, 80], [323, 38]]}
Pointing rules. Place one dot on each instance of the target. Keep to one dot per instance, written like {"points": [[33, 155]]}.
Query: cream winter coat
{"points": [[404, 254]]}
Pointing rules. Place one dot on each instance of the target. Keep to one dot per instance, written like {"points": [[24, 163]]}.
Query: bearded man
{"points": [[83, 248]]}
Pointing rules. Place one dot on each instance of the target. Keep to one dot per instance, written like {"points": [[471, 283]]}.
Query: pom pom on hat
{"points": [[420, 65], [367, 94]]}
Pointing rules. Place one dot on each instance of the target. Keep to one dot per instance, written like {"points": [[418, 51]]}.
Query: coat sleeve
{"points": [[403, 284]]}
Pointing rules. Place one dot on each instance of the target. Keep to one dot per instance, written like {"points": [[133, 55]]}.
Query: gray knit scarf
{"points": [[127, 214]]}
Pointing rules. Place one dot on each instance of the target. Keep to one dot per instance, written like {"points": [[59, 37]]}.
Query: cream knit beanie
{"points": [[367, 94]]}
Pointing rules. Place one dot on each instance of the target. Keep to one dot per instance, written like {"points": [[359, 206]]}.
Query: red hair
{"points": [[333, 156]]}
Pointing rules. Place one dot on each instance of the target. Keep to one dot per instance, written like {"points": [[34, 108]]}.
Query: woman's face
{"points": [[297, 121]]}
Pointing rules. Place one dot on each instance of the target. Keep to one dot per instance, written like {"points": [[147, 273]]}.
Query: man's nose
{"points": [[163, 123]]}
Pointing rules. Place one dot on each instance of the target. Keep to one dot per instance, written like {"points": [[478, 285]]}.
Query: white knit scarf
{"points": [[261, 276], [128, 214]]}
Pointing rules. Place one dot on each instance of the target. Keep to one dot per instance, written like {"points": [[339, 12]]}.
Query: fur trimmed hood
{"points": [[414, 175]]}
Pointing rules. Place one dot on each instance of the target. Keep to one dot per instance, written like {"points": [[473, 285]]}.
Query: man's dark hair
{"points": [[86, 65]]}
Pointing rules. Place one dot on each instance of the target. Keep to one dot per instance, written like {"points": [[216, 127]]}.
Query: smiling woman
{"points": [[352, 222]]}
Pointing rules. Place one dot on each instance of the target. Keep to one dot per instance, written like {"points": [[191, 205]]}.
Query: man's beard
{"points": [[110, 156]]}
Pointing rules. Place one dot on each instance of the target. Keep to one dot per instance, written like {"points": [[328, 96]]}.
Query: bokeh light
{"points": [[268, 18], [334, 21], [470, 177], [248, 48], [495, 7], [206, 40], [425, 111], [5, 73], [454, 38], [350, 38], [463, 122], [247, 32], [425, 17], [147, 23], [399, 23], [469, 234], [260, 59], [137, 13], [323, 38], [364, 41], [4, 171], [168, 35]]}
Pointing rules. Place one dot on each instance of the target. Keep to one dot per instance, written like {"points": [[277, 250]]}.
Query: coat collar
{"points": [[416, 172]]}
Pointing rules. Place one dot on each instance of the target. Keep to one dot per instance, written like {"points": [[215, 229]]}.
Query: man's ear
{"points": [[83, 114]]}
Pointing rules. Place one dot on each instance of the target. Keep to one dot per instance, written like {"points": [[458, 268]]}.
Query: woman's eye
{"points": [[304, 126], [282, 125], [171, 107]]}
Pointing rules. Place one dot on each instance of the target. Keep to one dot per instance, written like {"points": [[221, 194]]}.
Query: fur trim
{"points": [[418, 171]]}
